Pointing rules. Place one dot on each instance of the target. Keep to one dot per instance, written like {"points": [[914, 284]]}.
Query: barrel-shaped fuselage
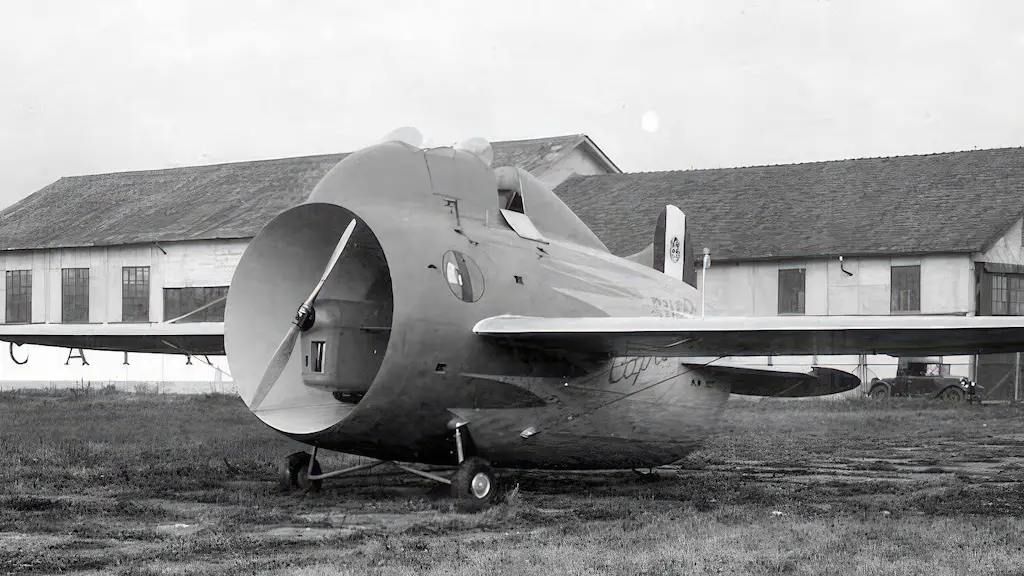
{"points": [[392, 362]]}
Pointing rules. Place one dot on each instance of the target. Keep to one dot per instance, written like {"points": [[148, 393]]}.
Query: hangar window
{"points": [[181, 301], [906, 289], [135, 294], [792, 290], [1008, 294], [74, 286], [19, 296]]}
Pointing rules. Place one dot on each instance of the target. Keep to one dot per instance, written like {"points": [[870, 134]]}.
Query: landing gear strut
{"points": [[473, 485]]}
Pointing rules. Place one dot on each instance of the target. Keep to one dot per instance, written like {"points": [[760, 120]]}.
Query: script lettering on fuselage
{"points": [[672, 307], [630, 368]]}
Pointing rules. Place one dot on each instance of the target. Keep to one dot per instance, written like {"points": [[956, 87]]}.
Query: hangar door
{"points": [[1000, 293]]}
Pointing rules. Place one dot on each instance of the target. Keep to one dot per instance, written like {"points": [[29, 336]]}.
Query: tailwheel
{"points": [[295, 472], [474, 485]]}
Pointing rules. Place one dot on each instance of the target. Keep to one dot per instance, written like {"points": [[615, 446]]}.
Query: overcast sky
{"points": [[100, 86]]}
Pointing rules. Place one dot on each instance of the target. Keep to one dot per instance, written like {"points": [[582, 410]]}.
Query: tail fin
{"points": [[673, 249]]}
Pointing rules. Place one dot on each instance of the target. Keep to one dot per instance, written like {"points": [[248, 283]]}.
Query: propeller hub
{"points": [[305, 317]]}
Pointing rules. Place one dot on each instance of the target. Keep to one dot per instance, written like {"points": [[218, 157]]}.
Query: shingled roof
{"points": [[936, 203], [218, 201]]}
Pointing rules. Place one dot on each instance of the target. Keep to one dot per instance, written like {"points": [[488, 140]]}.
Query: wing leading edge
{"points": [[195, 338], [761, 336]]}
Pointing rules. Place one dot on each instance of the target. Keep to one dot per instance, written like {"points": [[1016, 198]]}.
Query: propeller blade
{"points": [[331, 263], [276, 366], [280, 358]]}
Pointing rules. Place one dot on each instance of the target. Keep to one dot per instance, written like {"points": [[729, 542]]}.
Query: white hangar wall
{"points": [[205, 263], [752, 289], [189, 264]]}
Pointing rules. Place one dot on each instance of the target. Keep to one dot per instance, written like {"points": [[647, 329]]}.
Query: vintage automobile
{"points": [[928, 377]]}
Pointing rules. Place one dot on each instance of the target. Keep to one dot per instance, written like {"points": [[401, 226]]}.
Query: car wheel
{"points": [[880, 392], [953, 395]]}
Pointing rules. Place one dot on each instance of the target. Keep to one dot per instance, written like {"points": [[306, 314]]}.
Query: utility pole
{"points": [[704, 278]]}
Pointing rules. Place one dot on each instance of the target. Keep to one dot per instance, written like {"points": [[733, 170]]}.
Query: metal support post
{"points": [[458, 444], [1016, 379], [862, 370]]}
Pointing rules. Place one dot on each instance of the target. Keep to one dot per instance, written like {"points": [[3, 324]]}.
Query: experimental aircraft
{"points": [[423, 307]]}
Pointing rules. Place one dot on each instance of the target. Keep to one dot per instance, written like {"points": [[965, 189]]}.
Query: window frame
{"points": [[132, 296], [24, 289], [911, 288], [792, 299], [181, 300], [1007, 294], [77, 301]]}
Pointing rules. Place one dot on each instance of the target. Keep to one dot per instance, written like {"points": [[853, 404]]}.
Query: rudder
{"points": [[673, 249]]}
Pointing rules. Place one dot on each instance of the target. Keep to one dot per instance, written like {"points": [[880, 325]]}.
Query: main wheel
{"points": [[953, 395], [880, 392], [474, 485], [295, 471]]}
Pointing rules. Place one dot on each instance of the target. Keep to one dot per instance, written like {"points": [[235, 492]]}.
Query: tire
{"points": [[953, 395], [294, 473], [474, 485], [880, 392]]}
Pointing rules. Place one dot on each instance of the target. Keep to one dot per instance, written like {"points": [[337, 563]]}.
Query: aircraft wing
{"points": [[194, 338], [762, 336]]}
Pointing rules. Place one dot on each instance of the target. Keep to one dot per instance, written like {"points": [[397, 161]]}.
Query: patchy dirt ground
{"points": [[156, 484]]}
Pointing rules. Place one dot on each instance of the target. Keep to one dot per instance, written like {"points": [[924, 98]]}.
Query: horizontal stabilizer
{"points": [[753, 381], [764, 335]]}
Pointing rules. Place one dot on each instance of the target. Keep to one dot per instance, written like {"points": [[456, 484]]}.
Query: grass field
{"points": [[117, 483]]}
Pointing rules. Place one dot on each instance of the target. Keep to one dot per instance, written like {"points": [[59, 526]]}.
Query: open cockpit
{"points": [[511, 200], [519, 192]]}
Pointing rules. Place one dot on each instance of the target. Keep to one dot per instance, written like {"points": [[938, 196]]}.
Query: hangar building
{"points": [[927, 234]]}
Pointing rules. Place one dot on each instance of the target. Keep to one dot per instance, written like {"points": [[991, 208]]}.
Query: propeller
{"points": [[284, 352]]}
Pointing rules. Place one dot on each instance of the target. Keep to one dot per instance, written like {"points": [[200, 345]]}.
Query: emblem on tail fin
{"points": [[673, 249]]}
